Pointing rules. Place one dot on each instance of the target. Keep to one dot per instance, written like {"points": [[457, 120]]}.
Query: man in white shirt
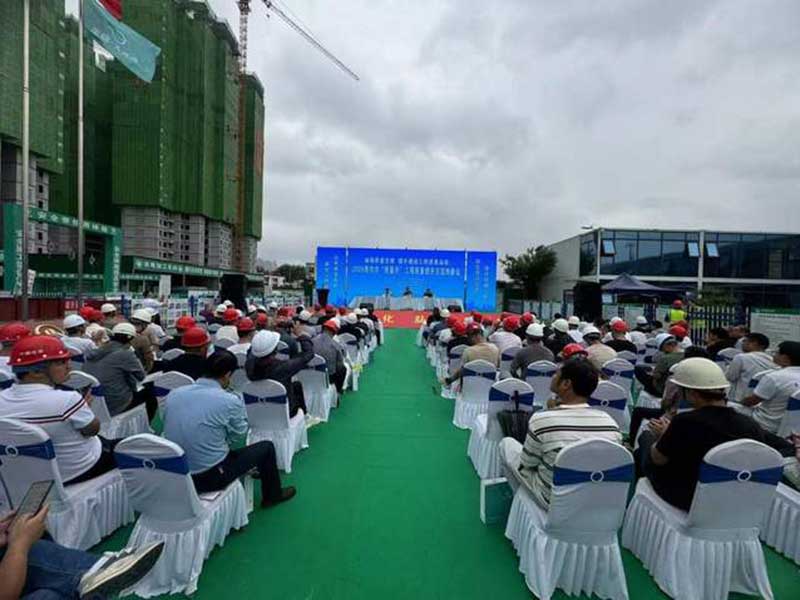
{"points": [[506, 338], [41, 363], [772, 394], [743, 367], [75, 328]]}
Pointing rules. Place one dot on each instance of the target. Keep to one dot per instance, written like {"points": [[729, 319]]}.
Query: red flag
{"points": [[114, 7]]}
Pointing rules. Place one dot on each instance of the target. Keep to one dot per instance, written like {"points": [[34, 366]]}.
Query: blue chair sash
{"points": [[564, 476], [615, 404], [160, 392], [251, 399], [99, 391], [492, 375], [715, 474], [6, 383], [793, 404], [537, 373], [321, 368], [753, 383], [628, 374], [43, 450], [78, 358], [453, 356], [525, 398], [173, 464]]}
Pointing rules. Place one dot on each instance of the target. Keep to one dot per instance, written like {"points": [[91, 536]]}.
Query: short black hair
{"points": [[122, 338], [582, 374], [758, 338], [696, 352], [720, 332], [792, 350], [219, 364]]}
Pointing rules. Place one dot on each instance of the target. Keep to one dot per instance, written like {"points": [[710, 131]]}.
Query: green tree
{"points": [[292, 273], [529, 269]]}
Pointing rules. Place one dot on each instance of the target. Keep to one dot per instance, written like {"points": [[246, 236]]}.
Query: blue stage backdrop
{"points": [[352, 272]]}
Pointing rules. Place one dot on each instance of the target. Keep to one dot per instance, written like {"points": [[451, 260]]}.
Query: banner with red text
{"points": [[405, 319]]}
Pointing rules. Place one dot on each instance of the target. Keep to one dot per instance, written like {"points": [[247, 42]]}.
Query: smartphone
{"points": [[35, 498]]}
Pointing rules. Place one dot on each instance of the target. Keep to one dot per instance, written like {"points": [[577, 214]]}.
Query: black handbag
{"points": [[514, 423]]}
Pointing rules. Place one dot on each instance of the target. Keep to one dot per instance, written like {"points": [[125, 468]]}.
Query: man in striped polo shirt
{"points": [[569, 420]]}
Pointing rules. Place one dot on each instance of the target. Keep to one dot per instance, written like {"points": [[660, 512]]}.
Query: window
{"points": [[693, 249], [712, 251], [608, 248]]}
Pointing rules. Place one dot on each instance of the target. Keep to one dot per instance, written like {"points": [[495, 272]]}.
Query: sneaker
{"points": [[120, 572], [287, 493]]}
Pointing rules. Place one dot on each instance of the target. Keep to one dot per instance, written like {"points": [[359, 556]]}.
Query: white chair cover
{"points": [[620, 371], [164, 383], [650, 351], [223, 343], [781, 529], [157, 478], [506, 358], [477, 377], [641, 351], [319, 392], [268, 413], [573, 545], [713, 549], [612, 400], [647, 400], [81, 514], [420, 337], [453, 364], [350, 344], [631, 357], [7, 379], [539, 375], [725, 356], [241, 358], [484, 439], [282, 351], [76, 360], [510, 452], [214, 328], [790, 422], [172, 354]]}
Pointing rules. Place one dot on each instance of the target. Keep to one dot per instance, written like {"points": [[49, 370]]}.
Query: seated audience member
{"points": [[506, 338], [263, 363], [182, 325], [141, 343], [348, 325], [109, 312], [673, 449], [245, 329], [439, 325], [681, 335], [459, 338], [262, 322], [718, 339], [669, 354], [333, 352], [304, 324], [10, 334], [772, 393], [33, 568], [192, 362], [119, 372], [618, 341], [737, 333], [479, 349], [656, 327], [41, 364], [596, 350], [574, 329], [228, 330], [524, 321], [560, 338], [203, 418], [753, 359], [532, 352], [571, 350], [434, 317], [75, 328], [571, 420]]}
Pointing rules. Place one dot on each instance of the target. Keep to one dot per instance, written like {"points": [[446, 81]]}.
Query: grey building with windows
{"points": [[755, 269]]}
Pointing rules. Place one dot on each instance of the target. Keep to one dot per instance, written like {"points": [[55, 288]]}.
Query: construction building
{"points": [[161, 160]]}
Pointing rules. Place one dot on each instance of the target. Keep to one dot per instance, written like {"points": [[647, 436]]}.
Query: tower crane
{"points": [[244, 15]]}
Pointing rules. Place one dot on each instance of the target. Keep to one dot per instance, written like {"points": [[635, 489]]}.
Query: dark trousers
{"points": [[260, 456], [338, 378], [639, 414], [644, 374], [103, 465], [296, 398], [148, 398]]}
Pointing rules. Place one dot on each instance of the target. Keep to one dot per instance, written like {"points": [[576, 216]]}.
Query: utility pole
{"points": [[81, 240], [26, 143]]}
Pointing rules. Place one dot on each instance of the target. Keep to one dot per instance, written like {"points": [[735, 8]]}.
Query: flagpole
{"points": [[26, 142], [81, 241]]}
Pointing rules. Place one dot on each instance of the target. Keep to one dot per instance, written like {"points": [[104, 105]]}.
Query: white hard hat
{"points": [[71, 321], [93, 328], [261, 308], [304, 316], [239, 313], [143, 314], [228, 304], [699, 374], [591, 330], [444, 313], [153, 311], [264, 343], [561, 325], [124, 329], [663, 338], [251, 308], [641, 320], [535, 330], [573, 320], [352, 318], [273, 305], [614, 320], [221, 308], [108, 308]]}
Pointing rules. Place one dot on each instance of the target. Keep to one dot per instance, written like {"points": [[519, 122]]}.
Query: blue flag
{"points": [[130, 48]]}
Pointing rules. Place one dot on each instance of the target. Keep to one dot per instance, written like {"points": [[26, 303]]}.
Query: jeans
{"points": [[54, 571], [239, 462]]}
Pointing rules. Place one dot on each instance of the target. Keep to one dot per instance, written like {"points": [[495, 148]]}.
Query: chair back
{"points": [[725, 356], [733, 475], [477, 378], [26, 455], [454, 358], [619, 371], [612, 400], [507, 357], [223, 343], [239, 379], [590, 488], [350, 344], [631, 357], [314, 376], [267, 405], [505, 395], [241, 358], [282, 351], [790, 423], [650, 351], [7, 379], [214, 328], [164, 383], [76, 358], [755, 379], [172, 354], [641, 352], [84, 383], [156, 475], [539, 375]]}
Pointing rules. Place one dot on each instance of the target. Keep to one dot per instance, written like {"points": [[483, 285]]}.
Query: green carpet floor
{"points": [[388, 507]]}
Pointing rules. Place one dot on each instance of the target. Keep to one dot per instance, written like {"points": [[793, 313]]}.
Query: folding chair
{"points": [[539, 375], [612, 400], [477, 378]]}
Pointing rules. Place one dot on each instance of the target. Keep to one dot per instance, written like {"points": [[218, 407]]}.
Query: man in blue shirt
{"points": [[203, 418]]}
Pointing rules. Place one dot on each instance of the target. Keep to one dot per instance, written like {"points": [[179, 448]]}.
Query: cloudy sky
{"points": [[500, 125]]}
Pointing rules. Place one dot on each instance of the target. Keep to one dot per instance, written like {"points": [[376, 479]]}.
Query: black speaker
{"points": [[588, 300], [322, 296], [234, 288]]}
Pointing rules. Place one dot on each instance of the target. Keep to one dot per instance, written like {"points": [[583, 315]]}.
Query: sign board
{"points": [[777, 324]]}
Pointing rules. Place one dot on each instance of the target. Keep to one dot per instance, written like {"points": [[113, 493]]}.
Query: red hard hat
{"points": [[185, 322], [231, 315], [194, 337], [476, 316], [504, 315], [35, 349], [452, 320], [460, 328], [677, 304], [246, 324], [331, 324], [284, 311], [97, 316], [13, 332], [342, 310], [262, 320], [474, 328], [572, 350], [678, 331], [527, 318], [511, 323], [682, 323], [86, 312], [619, 326], [330, 309]]}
